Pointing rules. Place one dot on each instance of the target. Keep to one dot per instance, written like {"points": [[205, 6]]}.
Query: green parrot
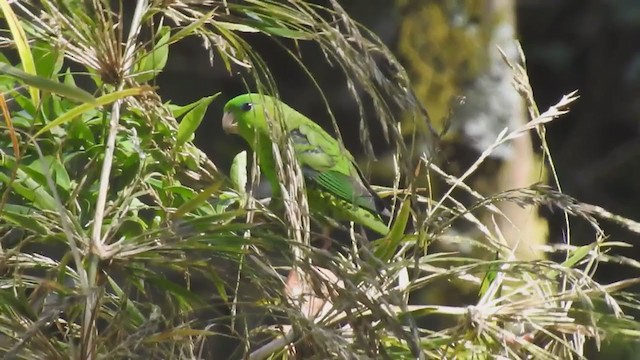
{"points": [[335, 186]]}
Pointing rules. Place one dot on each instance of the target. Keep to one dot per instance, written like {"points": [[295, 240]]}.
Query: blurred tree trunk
{"points": [[450, 49]]}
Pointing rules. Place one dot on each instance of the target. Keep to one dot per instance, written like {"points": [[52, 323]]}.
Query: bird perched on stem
{"points": [[335, 185]]}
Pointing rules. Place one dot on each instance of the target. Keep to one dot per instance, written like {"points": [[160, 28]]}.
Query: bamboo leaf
{"points": [[81, 109], [219, 284], [192, 120], [21, 216], [153, 62], [198, 199], [390, 243], [30, 190], [186, 298], [489, 277], [134, 313], [578, 254], [239, 172], [48, 59], [188, 30], [69, 91], [20, 38]]}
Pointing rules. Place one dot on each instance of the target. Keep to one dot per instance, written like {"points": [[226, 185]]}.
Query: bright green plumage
{"points": [[336, 187]]}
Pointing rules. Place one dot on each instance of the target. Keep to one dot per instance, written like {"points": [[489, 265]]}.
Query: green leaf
{"points": [[80, 109], [68, 78], [17, 303], [198, 200], [78, 129], [31, 190], [178, 110], [219, 284], [4, 59], [237, 27], [189, 29], [239, 172], [187, 299], [390, 243], [286, 33], [578, 254], [25, 103], [22, 44], [154, 61], [22, 216], [72, 92], [135, 315], [48, 164], [182, 191], [489, 277], [35, 173], [60, 175], [48, 60], [268, 25], [206, 222], [192, 119], [226, 199]]}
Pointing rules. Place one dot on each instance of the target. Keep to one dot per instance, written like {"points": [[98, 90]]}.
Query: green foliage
{"points": [[43, 83], [192, 119], [239, 172], [119, 238], [21, 43], [151, 63], [55, 260]]}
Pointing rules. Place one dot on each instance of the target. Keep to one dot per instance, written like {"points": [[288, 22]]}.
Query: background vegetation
{"points": [[121, 238]]}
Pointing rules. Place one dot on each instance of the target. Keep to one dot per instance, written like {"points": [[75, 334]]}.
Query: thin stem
{"points": [[274, 345], [65, 221], [98, 249]]}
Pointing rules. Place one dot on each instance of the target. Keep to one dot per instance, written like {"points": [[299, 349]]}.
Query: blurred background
{"points": [[449, 49]]}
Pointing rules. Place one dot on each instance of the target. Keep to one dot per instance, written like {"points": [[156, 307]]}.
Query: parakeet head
{"points": [[247, 114]]}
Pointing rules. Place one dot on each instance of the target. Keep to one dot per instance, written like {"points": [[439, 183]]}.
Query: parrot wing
{"points": [[331, 167]]}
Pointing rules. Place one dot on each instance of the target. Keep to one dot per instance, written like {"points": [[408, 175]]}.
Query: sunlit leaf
{"points": [[489, 277], [239, 172], [30, 190], [22, 44], [579, 254], [68, 78], [273, 27], [575, 257], [189, 29], [72, 92], [48, 60], [388, 245], [192, 119], [80, 109], [237, 27], [54, 167], [193, 203], [155, 60]]}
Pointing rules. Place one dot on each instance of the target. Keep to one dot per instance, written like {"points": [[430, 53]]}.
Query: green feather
{"points": [[336, 186]]}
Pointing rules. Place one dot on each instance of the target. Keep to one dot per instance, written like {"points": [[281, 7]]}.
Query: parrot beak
{"points": [[229, 125]]}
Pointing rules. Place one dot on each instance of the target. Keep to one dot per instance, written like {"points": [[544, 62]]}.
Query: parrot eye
{"points": [[246, 106]]}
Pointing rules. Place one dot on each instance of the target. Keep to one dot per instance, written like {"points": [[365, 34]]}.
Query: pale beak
{"points": [[229, 124]]}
